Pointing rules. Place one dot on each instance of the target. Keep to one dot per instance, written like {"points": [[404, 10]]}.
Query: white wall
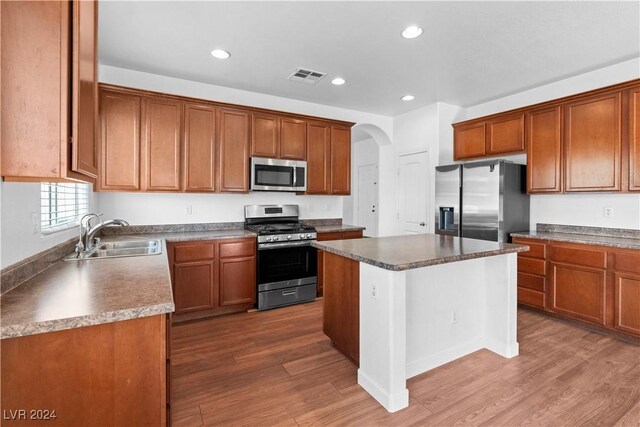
{"points": [[19, 240], [363, 152], [576, 209]]}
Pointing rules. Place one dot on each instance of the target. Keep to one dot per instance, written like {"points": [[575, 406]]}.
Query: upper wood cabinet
{"points": [[318, 158], [505, 134], [592, 141], [276, 137], [48, 91], [469, 141], [544, 150], [199, 147], [119, 141], [161, 144], [340, 160], [634, 139], [233, 152]]}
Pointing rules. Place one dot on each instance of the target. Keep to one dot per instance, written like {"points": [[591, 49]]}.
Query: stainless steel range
{"points": [[287, 264]]}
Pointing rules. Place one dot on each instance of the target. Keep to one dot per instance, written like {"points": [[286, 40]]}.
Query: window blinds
{"points": [[62, 205]]}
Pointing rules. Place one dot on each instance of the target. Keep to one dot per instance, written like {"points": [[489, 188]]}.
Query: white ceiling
{"points": [[470, 52]]}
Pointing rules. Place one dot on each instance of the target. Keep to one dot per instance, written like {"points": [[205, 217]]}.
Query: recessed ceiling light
{"points": [[411, 32], [338, 81], [220, 54], [408, 98]]}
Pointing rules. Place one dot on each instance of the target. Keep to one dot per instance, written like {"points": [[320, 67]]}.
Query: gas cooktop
{"points": [[279, 228]]}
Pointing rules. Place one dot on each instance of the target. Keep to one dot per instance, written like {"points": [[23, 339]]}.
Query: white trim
{"points": [[427, 186], [391, 402]]}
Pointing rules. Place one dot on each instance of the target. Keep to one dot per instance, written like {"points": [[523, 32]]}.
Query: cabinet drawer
{"points": [[352, 234], [578, 255], [627, 262], [530, 297], [238, 248], [193, 252], [530, 281], [530, 265], [330, 236], [536, 249]]}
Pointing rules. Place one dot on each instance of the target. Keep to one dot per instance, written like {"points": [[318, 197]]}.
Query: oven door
{"points": [[278, 175], [286, 264]]}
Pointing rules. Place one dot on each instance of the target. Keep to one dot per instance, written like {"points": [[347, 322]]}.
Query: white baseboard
{"points": [[391, 402], [438, 359], [503, 349]]}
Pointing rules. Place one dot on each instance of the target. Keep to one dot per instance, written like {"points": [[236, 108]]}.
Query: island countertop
{"points": [[73, 294], [399, 253]]}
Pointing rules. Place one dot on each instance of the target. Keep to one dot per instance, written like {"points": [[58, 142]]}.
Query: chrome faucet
{"points": [[87, 240]]}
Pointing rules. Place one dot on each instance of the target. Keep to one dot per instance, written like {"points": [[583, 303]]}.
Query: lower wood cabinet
{"points": [[213, 277], [112, 374], [595, 284], [335, 235]]}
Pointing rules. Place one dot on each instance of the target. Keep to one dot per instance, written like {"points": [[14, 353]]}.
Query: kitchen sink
{"points": [[120, 249]]}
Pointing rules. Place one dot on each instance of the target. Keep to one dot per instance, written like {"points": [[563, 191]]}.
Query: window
{"points": [[62, 205]]}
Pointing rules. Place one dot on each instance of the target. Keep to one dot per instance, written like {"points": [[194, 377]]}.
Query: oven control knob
{"points": [[269, 239], [306, 236], [276, 238], [289, 237]]}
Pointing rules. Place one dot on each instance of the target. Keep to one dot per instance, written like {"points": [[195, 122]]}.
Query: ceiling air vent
{"points": [[307, 76]]}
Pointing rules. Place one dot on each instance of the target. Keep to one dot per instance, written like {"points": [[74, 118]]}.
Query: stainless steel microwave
{"points": [[278, 175]]}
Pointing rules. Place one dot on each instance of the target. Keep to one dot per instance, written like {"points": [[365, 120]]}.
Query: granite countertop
{"points": [[337, 228], [400, 253], [588, 239], [75, 294]]}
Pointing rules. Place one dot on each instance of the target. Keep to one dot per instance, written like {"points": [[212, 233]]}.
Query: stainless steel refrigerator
{"points": [[481, 200]]}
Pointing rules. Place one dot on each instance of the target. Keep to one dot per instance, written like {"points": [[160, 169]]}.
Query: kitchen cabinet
{"points": [[199, 164], [318, 158], [49, 73], [340, 160], [469, 141], [625, 267], [341, 305], [212, 277], [233, 151], [112, 374], [161, 144], [505, 134], [532, 286], [335, 235], [544, 150], [592, 141], [634, 139], [278, 138], [119, 141]]}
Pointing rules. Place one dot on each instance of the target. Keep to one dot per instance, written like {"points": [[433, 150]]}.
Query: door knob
{"points": [[422, 224]]}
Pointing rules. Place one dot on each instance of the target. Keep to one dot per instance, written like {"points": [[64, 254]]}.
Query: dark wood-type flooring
{"points": [[278, 368]]}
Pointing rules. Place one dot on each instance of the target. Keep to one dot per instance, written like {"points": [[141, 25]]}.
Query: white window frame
{"points": [[62, 205]]}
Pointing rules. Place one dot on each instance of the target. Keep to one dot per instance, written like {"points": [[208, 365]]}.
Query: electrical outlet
{"points": [[374, 291], [310, 207], [35, 223], [608, 212], [188, 210], [454, 316]]}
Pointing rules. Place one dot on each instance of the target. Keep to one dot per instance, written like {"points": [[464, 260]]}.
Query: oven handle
{"points": [[267, 246]]}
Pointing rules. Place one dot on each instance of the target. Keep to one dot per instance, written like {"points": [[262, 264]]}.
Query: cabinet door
{"points": [[627, 305], [469, 141], [592, 143], [265, 132], [544, 150], [193, 287], [84, 88], [293, 139], [340, 160], [233, 154], [161, 144], [318, 158], [199, 147], [120, 141], [578, 292], [35, 76], [505, 134], [634, 139], [237, 281]]}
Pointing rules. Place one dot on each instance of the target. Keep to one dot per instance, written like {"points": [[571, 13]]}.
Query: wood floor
{"points": [[278, 368]]}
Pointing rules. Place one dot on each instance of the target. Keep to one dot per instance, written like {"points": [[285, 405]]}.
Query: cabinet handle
{"points": [[286, 293]]}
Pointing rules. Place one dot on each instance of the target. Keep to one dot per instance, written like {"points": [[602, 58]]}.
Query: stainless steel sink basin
{"points": [[120, 249]]}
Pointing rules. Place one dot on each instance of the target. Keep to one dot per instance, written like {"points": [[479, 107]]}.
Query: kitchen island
{"points": [[417, 302]]}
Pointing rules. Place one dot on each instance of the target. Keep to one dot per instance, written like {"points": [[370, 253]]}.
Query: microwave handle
{"points": [[295, 176]]}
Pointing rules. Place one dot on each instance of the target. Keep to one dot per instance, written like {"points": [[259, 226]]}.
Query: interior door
{"points": [[413, 190], [368, 199]]}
